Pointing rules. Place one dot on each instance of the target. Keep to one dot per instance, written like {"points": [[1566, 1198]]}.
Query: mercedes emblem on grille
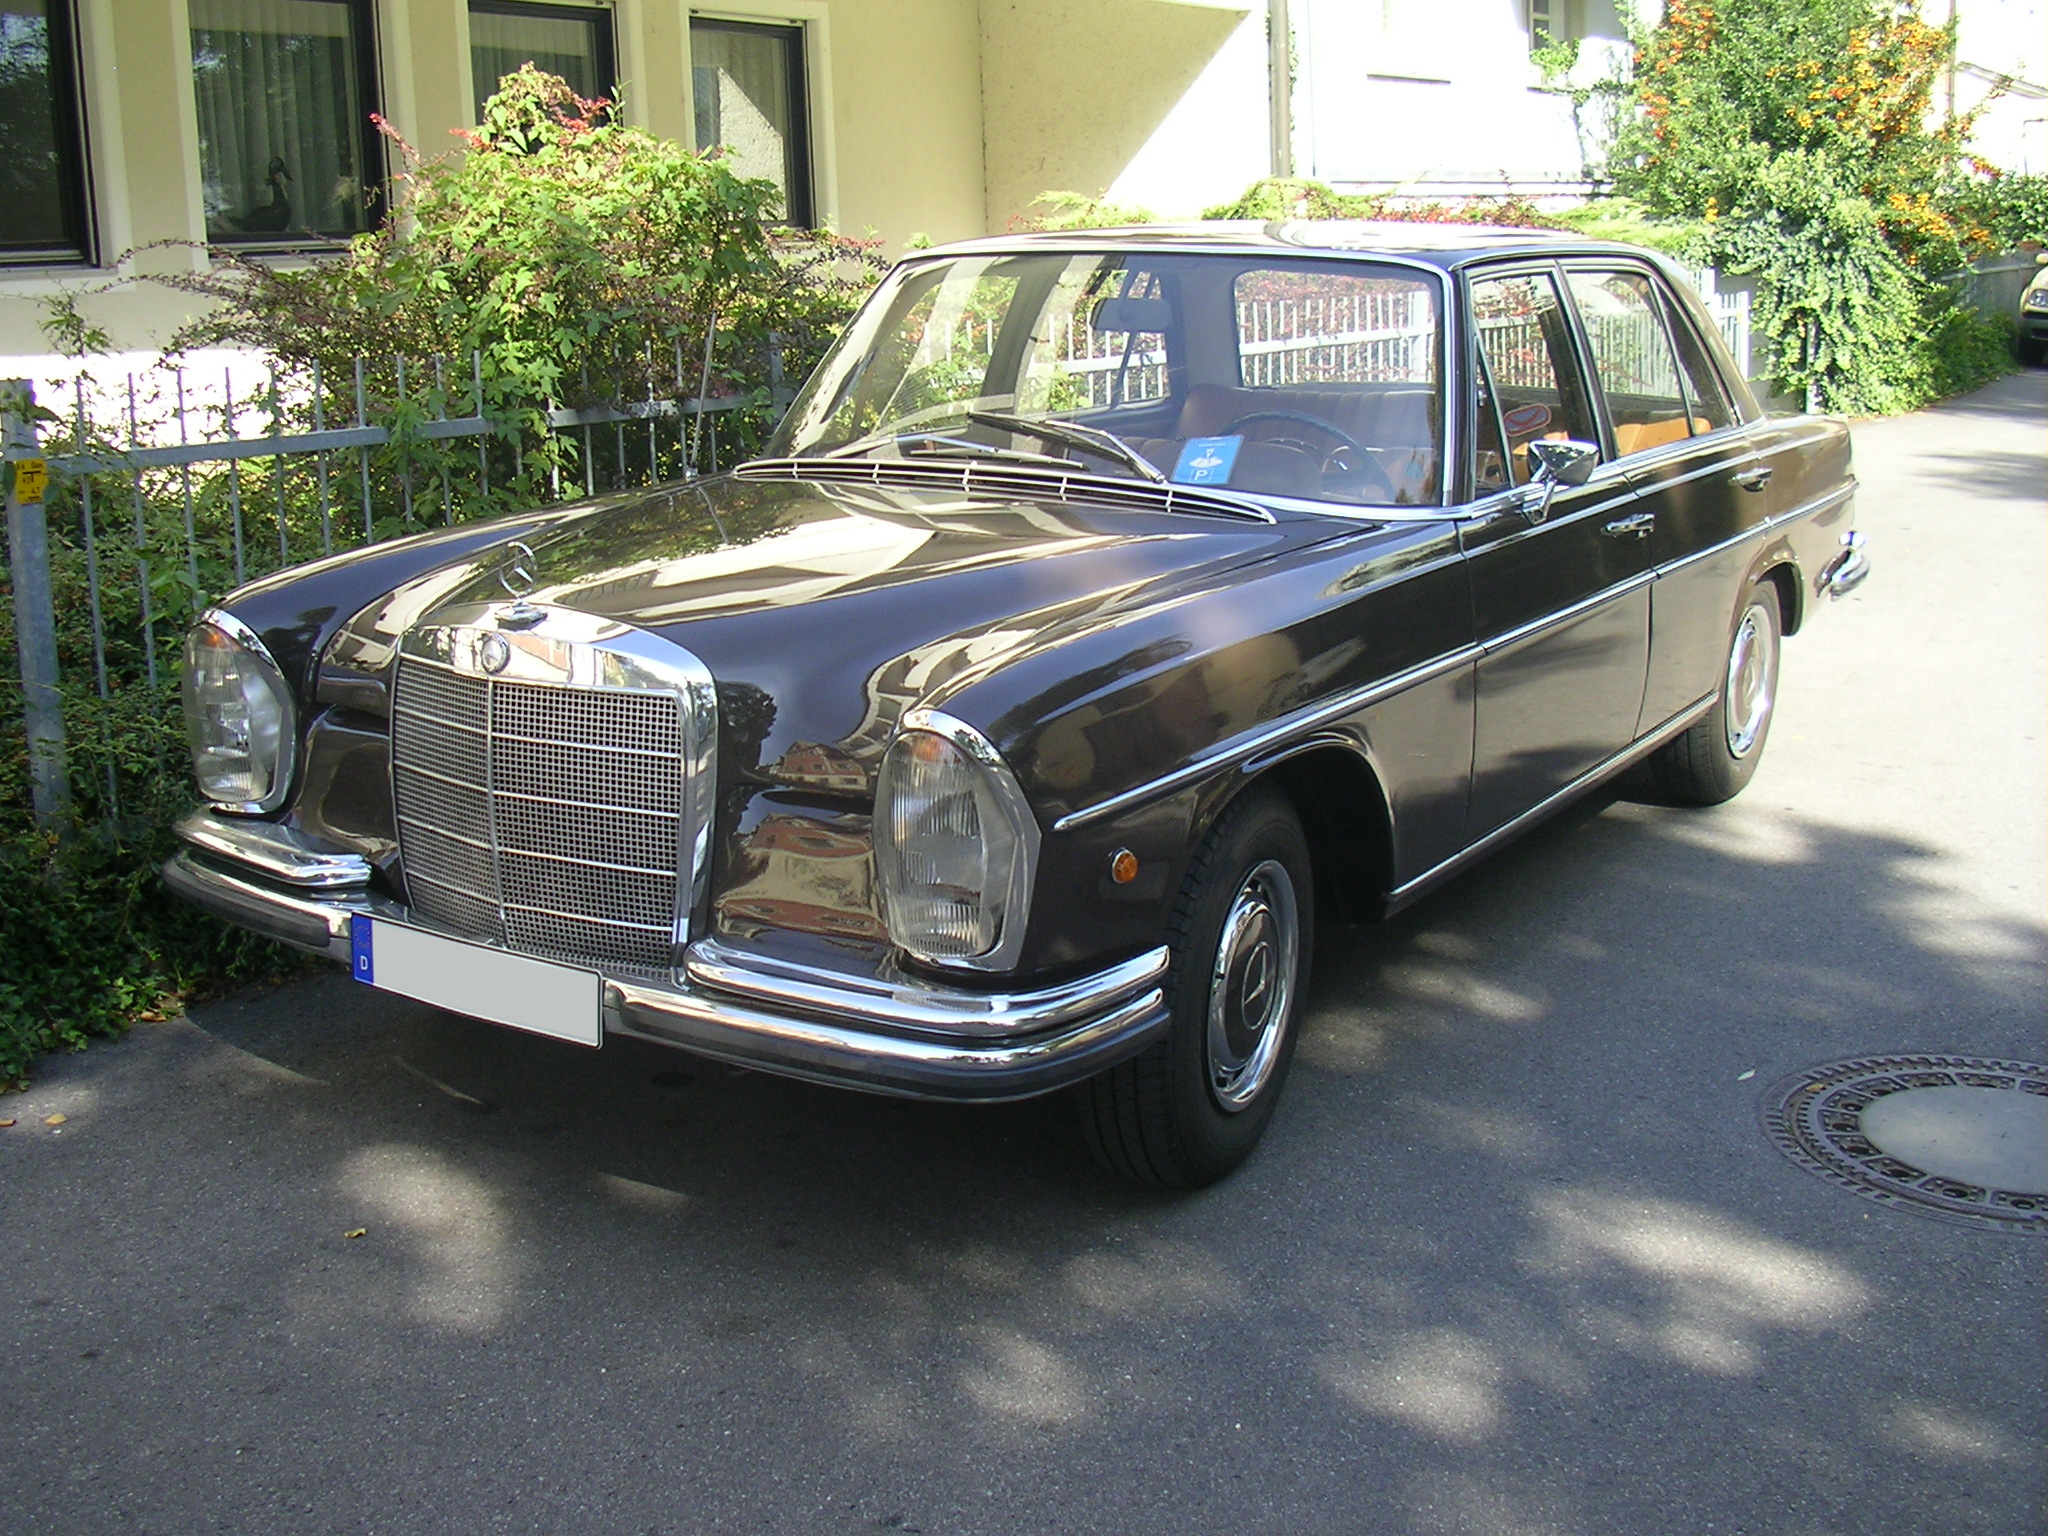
{"points": [[493, 654]]}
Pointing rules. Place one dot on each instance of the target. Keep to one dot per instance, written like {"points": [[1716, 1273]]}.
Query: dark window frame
{"points": [[803, 175], [74, 152], [1575, 369], [370, 145], [602, 20]]}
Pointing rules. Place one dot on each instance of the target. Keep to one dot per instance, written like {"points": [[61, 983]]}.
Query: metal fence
{"points": [[174, 501]]}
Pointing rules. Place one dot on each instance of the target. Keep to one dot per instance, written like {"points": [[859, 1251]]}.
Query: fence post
{"points": [[35, 618]]}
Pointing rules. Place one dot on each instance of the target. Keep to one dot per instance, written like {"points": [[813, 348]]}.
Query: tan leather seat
{"points": [[1635, 436]]}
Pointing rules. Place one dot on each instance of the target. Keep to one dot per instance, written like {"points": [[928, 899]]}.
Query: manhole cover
{"points": [[1949, 1136]]}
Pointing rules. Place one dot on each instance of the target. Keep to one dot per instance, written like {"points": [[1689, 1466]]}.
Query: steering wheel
{"points": [[1361, 463]]}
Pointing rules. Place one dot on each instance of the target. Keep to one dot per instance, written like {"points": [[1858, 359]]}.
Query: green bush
{"points": [[1799, 139]]}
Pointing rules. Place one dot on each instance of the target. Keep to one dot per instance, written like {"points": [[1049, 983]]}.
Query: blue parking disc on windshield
{"points": [[1207, 460]]}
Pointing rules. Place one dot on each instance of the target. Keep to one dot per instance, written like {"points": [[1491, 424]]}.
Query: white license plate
{"points": [[537, 995]]}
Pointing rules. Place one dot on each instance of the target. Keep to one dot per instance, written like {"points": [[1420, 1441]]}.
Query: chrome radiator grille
{"points": [[545, 818]]}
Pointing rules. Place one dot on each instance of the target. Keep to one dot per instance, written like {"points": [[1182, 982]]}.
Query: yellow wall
{"points": [[1074, 90], [896, 118], [933, 118]]}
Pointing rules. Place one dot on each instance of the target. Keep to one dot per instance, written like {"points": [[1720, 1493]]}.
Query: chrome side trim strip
{"points": [[1257, 741], [1642, 746], [282, 853], [904, 1003], [1816, 505], [1563, 616]]}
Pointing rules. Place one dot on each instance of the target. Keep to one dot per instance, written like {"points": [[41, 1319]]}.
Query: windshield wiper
{"points": [[1074, 435], [936, 442]]}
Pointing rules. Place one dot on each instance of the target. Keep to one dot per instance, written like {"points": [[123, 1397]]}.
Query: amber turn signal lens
{"points": [[1123, 866]]}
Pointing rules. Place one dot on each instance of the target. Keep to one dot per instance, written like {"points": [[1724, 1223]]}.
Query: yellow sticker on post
{"points": [[31, 479]]}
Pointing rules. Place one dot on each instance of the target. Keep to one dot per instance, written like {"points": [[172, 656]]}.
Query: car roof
{"points": [[1441, 245]]}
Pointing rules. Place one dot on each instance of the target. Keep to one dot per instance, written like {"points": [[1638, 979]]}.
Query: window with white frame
{"points": [[42, 142], [573, 41], [284, 89], [749, 84]]}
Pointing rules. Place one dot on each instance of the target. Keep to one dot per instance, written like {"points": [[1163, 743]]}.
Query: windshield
{"points": [[1316, 379]]}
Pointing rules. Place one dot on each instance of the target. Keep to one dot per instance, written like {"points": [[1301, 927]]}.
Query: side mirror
{"points": [[1558, 462], [1564, 461]]}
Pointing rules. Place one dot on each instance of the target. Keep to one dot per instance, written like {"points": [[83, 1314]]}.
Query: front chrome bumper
{"points": [[896, 1035]]}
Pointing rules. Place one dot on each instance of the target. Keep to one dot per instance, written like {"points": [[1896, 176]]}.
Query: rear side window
{"points": [[1531, 385], [1703, 388], [1646, 403]]}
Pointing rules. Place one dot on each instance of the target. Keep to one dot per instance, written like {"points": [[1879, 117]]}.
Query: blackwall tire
{"points": [[1192, 1107], [1717, 756]]}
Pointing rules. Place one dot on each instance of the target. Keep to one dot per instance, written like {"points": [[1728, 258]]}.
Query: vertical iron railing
{"points": [[185, 535]]}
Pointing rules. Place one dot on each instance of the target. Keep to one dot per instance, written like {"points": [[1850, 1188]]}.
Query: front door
{"points": [[1562, 604]]}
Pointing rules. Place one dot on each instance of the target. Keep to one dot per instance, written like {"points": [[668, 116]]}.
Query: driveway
{"points": [[1516, 1257]]}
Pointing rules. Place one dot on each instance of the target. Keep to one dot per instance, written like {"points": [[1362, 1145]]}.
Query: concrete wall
{"points": [[1434, 96], [1160, 103]]}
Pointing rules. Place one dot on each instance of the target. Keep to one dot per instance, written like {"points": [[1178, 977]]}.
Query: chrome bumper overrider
{"points": [[1845, 573], [894, 1035]]}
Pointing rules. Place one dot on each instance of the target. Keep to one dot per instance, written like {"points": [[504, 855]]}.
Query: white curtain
{"points": [[740, 79], [280, 118], [561, 45]]}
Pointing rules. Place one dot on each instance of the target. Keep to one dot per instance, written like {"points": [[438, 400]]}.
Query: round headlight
{"points": [[954, 848], [238, 719]]}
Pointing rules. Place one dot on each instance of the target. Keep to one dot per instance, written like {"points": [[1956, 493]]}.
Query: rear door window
{"points": [[1639, 378]]}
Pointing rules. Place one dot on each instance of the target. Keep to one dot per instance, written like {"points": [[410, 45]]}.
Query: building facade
{"points": [[135, 132]]}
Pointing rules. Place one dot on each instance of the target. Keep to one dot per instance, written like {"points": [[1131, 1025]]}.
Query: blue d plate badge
{"points": [[1207, 460]]}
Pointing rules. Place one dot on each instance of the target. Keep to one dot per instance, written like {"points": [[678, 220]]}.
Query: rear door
{"points": [[1678, 440], [1562, 604]]}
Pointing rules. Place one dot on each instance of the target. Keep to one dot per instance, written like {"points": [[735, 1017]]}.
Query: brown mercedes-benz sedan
{"points": [[1109, 606]]}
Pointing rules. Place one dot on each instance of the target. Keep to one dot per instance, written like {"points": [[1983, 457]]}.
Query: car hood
{"points": [[825, 610]]}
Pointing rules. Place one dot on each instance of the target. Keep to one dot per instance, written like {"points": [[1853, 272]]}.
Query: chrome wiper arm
{"points": [[1074, 435], [934, 443]]}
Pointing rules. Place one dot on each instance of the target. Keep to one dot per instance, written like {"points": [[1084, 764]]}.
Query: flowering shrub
{"points": [[1802, 135], [586, 261]]}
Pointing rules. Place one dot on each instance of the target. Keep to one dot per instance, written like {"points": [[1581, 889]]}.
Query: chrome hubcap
{"points": [[1752, 676], [1251, 985]]}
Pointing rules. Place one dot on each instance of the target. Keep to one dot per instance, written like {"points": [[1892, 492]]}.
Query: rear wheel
{"points": [[1714, 759], [1192, 1107]]}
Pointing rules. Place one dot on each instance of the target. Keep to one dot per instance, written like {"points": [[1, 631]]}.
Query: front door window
{"points": [[1530, 385]]}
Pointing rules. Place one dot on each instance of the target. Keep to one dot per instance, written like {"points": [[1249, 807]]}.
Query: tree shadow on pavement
{"points": [[1515, 1256]]}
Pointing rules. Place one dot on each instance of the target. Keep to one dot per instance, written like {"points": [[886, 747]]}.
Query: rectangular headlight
{"points": [[954, 846], [238, 719]]}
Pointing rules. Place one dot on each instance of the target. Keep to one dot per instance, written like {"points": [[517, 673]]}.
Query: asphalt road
{"points": [[1515, 1259]]}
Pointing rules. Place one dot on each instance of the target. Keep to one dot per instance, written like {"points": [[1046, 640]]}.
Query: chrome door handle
{"points": [[1754, 479], [1640, 526]]}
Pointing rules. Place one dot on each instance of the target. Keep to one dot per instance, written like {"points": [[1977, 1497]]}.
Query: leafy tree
{"points": [[1802, 136]]}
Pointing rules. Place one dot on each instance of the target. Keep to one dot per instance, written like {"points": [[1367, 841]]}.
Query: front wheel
{"points": [[1714, 759], [1191, 1108]]}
